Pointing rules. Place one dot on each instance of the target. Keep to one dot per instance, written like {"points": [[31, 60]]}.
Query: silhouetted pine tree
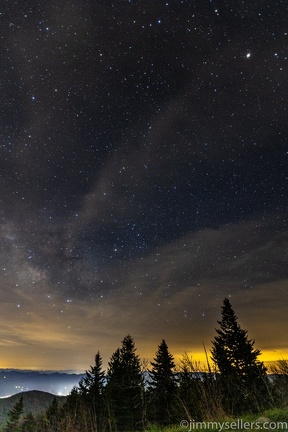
{"points": [[162, 400], [14, 416], [243, 377], [72, 411], [91, 389], [29, 424], [53, 414], [124, 390]]}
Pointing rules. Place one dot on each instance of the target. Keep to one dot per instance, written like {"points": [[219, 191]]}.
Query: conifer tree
{"points": [[124, 390], [72, 410], [163, 386], [91, 388], [242, 376], [52, 414], [29, 424], [14, 416]]}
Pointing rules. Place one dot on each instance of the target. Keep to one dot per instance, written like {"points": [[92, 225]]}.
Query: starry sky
{"points": [[143, 176]]}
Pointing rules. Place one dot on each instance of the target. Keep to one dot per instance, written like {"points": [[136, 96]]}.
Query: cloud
{"points": [[174, 292]]}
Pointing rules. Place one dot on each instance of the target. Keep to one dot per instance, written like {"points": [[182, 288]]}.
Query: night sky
{"points": [[143, 170]]}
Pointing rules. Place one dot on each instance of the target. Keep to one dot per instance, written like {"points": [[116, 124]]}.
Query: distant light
{"points": [[248, 55]]}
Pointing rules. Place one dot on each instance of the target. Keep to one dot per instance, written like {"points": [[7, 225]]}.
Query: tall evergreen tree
{"points": [[163, 386], [29, 424], [53, 413], [72, 411], [14, 416], [124, 390], [91, 388], [242, 376]]}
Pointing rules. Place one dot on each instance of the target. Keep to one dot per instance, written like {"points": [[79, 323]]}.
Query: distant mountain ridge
{"points": [[13, 381], [35, 402]]}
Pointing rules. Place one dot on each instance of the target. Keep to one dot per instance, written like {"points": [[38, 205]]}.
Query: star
{"points": [[141, 147]]}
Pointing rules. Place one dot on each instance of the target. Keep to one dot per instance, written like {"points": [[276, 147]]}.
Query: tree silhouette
{"points": [[91, 388], [29, 424], [242, 376], [14, 416], [53, 413], [163, 386], [124, 390]]}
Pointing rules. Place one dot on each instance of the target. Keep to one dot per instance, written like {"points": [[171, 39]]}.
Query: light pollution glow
{"points": [[54, 332]]}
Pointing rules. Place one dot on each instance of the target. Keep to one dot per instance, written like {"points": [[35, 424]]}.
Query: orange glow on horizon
{"points": [[199, 358], [272, 356]]}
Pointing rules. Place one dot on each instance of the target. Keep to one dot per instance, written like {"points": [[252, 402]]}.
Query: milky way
{"points": [[143, 169]]}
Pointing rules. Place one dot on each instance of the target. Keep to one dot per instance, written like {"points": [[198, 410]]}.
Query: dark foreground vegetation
{"points": [[135, 396]]}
